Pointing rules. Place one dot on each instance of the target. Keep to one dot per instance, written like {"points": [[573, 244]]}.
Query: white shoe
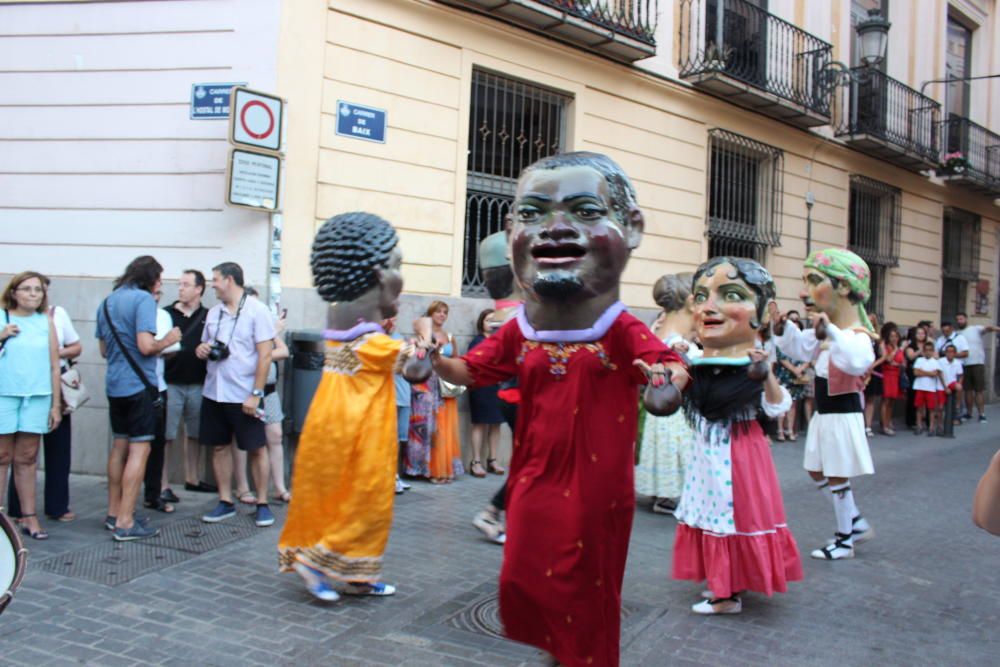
{"points": [[862, 531], [501, 539], [489, 525], [405, 486], [733, 605], [838, 550]]}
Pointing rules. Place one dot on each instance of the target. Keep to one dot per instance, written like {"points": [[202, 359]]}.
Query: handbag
{"points": [[74, 392], [449, 390], [154, 393]]}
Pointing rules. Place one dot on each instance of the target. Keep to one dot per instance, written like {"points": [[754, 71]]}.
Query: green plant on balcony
{"points": [[954, 163], [715, 57]]}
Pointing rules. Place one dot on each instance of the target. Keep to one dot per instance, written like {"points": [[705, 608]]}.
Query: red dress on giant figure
{"points": [[570, 495]]}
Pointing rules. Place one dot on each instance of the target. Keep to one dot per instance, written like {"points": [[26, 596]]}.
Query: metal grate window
{"points": [[960, 259], [873, 232], [744, 196], [512, 124]]}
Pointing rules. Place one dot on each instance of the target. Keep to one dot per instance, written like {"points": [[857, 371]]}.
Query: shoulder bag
{"points": [[447, 389], [154, 393], [74, 392]]}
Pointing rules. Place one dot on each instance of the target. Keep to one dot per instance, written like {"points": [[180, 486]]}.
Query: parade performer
{"points": [[666, 441], [836, 289], [340, 514], [579, 358], [731, 527]]}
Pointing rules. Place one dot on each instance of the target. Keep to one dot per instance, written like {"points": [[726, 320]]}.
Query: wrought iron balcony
{"points": [[885, 118], [620, 29], [737, 51], [971, 155]]}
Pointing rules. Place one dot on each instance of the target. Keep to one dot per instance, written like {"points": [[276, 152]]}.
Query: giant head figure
{"points": [[731, 299], [837, 282], [573, 225], [495, 267]]}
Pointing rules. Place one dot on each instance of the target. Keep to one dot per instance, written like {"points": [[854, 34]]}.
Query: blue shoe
{"points": [[366, 588], [221, 512], [263, 517], [136, 532], [109, 521], [316, 583]]}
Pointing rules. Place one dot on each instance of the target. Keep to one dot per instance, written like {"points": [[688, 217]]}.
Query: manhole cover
{"points": [[113, 563], [198, 537]]}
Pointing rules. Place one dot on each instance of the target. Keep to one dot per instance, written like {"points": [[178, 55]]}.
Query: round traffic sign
{"points": [[258, 124]]}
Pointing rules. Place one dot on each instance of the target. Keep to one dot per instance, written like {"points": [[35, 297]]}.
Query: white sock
{"points": [[823, 485], [845, 510]]}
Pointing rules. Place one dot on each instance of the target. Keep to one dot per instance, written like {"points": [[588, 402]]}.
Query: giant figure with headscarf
{"points": [[836, 285]]}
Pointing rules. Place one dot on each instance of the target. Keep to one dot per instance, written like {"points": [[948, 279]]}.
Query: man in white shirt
{"points": [[974, 377]]}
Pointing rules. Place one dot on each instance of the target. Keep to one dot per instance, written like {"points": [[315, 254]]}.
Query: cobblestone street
{"points": [[922, 593]]}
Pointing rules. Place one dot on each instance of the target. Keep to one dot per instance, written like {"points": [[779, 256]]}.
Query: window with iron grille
{"points": [[960, 259], [511, 125], [873, 232], [744, 196]]}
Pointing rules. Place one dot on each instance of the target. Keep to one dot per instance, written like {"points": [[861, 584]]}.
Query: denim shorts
{"points": [[24, 414], [403, 423]]}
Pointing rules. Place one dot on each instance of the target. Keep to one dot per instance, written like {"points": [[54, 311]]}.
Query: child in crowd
{"points": [[927, 372], [952, 370]]}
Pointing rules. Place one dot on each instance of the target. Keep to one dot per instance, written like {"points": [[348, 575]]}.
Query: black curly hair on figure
{"points": [[348, 250], [621, 189], [752, 273]]}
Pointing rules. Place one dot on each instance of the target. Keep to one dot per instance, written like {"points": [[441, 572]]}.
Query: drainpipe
{"points": [[810, 200]]}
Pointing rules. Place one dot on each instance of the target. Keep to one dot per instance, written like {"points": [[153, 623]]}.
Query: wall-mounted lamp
{"points": [[873, 41]]}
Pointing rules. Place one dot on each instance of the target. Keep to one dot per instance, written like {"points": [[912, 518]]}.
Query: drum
{"points": [[13, 560]]}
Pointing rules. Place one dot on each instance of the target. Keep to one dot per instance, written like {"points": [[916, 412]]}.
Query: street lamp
{"points": [[873, 41]]}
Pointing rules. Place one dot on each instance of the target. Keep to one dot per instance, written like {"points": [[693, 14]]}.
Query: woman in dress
{"points": [[665, 443], [446, 450], [732, 530], [893, 360], [30, 401], [484, 407], [916, 336]]}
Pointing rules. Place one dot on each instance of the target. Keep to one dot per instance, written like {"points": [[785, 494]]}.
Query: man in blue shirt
{"points": [[126, 330]]}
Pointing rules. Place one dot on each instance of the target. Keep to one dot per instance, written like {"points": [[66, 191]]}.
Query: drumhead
{"points": [[11, 551]]}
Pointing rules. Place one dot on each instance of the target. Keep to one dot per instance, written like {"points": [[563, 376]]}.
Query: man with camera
{"points": [[236, 343]]}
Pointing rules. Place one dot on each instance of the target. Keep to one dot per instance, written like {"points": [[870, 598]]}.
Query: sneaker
{"points": [[263, 517], [488, 524], [404, 485], [664, 506], [363, 588], [982, 419], [501, 539], [109, 521], [399, 487], [221, 512], [712, 607], [838, 550], [136, 532], [316, 583]]}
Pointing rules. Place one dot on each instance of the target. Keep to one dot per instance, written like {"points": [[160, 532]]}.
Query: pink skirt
{"points": [[762, 555]]}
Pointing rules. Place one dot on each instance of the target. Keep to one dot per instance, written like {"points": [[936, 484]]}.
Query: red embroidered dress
{"points": [[570, 495]]}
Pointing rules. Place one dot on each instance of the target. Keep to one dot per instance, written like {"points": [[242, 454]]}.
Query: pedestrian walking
{"points": [[29, 388], [126, 332], [237, 343], [974, 375]]}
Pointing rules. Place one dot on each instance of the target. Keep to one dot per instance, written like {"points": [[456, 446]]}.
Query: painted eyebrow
{"points": [[537, 196], [582, 195]]}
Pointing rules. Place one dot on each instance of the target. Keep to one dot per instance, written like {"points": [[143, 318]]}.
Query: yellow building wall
{"points": [[415, 59]]}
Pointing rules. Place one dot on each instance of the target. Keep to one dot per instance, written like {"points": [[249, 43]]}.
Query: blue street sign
{"points": [[361, 122], [210, 101]]}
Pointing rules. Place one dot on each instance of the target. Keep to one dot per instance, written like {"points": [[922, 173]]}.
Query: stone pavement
{"points": [[924, 592]]}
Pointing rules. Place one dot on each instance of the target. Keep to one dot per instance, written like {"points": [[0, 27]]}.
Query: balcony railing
{"points": [[730, 42], [973, 153], [883, 117], [620, 29]]}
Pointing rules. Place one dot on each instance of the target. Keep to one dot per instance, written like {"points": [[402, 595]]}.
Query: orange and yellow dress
{"points": [[341, 511]]}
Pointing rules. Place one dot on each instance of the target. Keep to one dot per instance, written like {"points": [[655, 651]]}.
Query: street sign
{"points": [[256, 119], [253, 180], [361, 122], [210, 101]]}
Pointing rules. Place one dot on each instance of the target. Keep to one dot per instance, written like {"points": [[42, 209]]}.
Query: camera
{"points": [[219, 351]]}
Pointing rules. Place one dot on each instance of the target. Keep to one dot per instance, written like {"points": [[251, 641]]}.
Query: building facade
{"points": [[727, 114]]}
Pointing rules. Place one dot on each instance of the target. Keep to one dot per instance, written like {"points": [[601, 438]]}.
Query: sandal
{"points": [[491, 466], [781, 436], [247, 498], [438, 480], [283, 497], [159, 505], [39, 534], [66, 518], [476, 469], [793, 436]]}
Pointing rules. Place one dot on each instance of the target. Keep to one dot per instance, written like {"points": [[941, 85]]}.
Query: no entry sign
{"points": [[256, 119]]}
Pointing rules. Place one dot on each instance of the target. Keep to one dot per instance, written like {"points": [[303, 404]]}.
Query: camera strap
{"points": [[153, 391], [236, 320]]}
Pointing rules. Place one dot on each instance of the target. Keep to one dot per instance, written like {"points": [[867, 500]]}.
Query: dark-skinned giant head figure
{"points": [[356, 255], [573, 225]]}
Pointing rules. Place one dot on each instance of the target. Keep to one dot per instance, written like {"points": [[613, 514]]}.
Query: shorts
{"points": [[183, 402], [974, 378], [273, 414], [925, 399], [132, 417], [220, 422], [24, 414], [403, 423]]}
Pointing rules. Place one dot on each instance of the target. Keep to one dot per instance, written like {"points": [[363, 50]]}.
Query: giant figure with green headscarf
{"points": [[836, 286]]}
